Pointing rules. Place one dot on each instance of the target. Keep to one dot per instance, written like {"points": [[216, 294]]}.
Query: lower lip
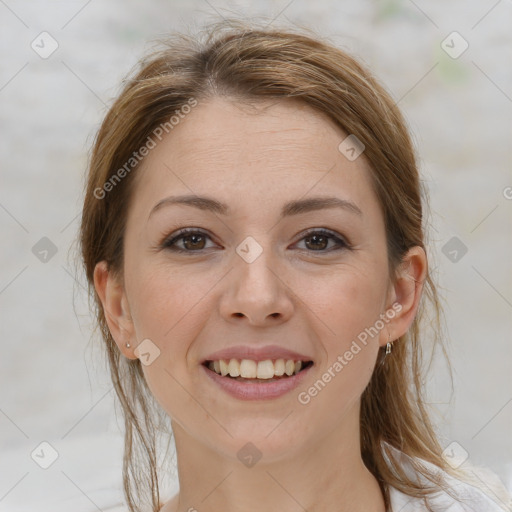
{"points": [[257, 390]]}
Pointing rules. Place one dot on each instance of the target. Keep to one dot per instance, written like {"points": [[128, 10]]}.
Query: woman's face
{"points": [[269, 272]]}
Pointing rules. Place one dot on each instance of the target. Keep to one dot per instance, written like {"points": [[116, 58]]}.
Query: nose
{"points": [[257, 291]]}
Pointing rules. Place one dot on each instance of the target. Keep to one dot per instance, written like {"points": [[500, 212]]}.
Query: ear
{"points": [[115, 306], [405, 294]]}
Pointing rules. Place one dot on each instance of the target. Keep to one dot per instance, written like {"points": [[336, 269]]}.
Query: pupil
{"points": [[194, 239], [315, 238]]}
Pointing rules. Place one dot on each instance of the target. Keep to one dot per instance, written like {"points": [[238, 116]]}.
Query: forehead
{"points": [[250, 152]]}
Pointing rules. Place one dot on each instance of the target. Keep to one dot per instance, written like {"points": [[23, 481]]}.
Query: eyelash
{"points": [[169, 243]]}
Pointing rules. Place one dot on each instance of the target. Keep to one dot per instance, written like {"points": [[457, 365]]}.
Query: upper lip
{"points": [[256, 353]]}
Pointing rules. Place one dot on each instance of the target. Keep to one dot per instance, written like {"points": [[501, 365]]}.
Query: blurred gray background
{"points": [[446, 63]]}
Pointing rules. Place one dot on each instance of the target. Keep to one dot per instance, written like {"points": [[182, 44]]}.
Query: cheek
{"points": [[348, 302], [161, 299], [166, 308], [351, 314]]}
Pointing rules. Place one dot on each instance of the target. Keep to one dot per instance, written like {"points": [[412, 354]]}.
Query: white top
{"points": [[487, 495]]}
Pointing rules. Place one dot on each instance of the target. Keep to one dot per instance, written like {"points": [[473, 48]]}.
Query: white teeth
{"points": [[279, 367], [265, 369], [223, 367], [249, 369], [234, 368]]}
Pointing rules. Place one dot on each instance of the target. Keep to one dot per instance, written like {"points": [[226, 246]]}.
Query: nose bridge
{"points": [[254, 264], [256, 289]]}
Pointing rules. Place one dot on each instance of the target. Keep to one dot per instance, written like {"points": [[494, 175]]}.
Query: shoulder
{"points": [[480, 492]]}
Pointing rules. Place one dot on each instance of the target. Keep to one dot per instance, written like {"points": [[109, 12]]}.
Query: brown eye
{"points": [[318, 241], [187, 241], [193, 242], [190, 241]]}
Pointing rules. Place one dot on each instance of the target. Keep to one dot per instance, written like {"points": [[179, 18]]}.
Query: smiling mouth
{"points": [[247, 370]]}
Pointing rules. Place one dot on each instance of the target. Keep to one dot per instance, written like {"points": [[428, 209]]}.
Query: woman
{"points": [[252, 229]]}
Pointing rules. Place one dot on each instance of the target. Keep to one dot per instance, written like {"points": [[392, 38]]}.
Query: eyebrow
{"points": [[291, 208]]}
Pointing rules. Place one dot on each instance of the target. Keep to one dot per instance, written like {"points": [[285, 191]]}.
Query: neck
{"points": [[327, 475]]}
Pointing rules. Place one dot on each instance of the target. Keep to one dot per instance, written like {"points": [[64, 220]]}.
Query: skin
{"points": [[297, 294]]}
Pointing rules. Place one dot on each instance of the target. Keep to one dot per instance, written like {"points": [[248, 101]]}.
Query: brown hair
{"points": [[247, 62]]}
